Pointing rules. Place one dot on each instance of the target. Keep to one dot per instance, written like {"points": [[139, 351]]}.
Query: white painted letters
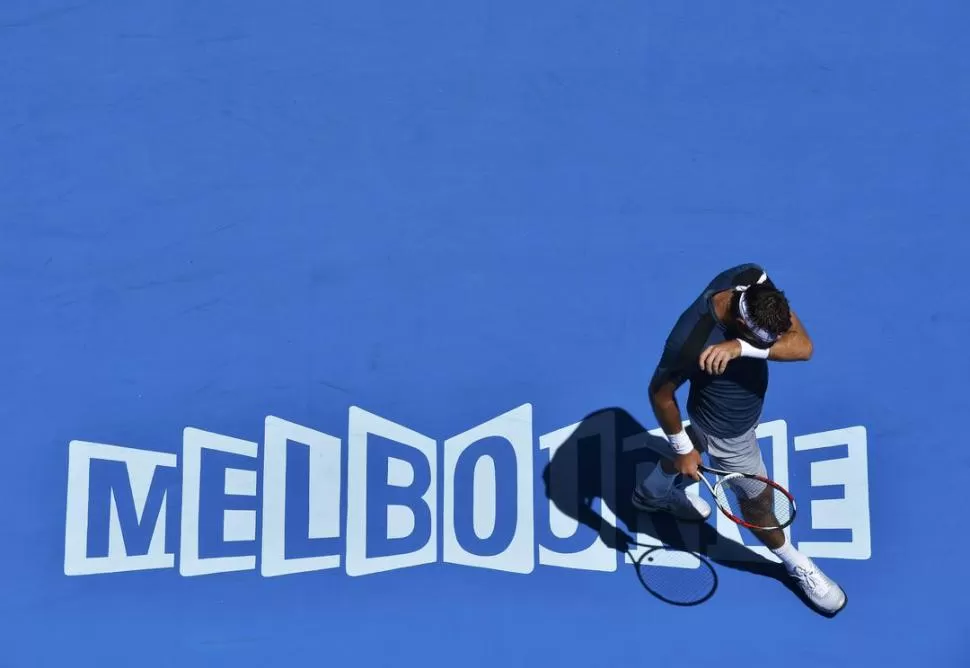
{"points": [[324, 492], [400, 518], [237, 525], [140, 466], [849, 512], [514, 427], [119, 499]]}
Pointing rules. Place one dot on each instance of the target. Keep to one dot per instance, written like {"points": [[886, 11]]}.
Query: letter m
{"points": [[118, 500]]}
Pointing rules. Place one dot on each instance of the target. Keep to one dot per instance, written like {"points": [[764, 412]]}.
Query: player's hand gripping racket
{"points": [[751, 500]]}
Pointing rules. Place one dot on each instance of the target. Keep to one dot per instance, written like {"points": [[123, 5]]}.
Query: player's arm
{"points": [[671, 373], [663, 400], [795, 345]]}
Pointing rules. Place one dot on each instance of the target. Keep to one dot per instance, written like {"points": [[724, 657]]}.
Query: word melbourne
{"points": [[390, 498]]}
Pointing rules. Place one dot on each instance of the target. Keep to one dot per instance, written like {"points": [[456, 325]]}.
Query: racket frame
{"points": [[724, 476]]}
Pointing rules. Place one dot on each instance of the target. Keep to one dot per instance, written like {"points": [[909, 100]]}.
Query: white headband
{"points": [[762, 335]]}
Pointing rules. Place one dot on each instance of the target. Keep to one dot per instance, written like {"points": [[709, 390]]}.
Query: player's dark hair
{"points": [[769, 308]]}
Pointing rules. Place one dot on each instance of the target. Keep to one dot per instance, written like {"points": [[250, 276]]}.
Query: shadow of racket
{"points": [[673, 575]]}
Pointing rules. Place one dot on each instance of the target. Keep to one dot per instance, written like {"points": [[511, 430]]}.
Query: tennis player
{"points": [[722, 344]]}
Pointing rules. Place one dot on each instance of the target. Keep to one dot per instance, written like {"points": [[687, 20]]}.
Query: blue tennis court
{"points": [[329, 326]]}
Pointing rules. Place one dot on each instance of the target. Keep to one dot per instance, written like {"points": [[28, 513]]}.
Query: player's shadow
{"points": [[579, 473]]}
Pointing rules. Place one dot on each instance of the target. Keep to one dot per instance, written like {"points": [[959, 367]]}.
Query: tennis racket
{"points": [[751, 500]]}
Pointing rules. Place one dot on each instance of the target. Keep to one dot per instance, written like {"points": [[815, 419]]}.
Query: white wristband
{"points": [[680, 442], [748, 350]]}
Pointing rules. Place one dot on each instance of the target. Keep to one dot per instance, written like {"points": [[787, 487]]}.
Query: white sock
{"points": [[791, 557], [657, 483]]}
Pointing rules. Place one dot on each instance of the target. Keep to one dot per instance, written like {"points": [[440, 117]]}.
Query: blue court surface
{"points": [[328, 328]]}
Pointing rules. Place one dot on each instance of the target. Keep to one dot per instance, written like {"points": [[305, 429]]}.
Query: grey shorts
{"points": [[740, 454]]}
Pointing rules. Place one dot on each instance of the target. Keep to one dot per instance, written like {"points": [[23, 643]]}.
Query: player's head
{"points": [[761, 314]]}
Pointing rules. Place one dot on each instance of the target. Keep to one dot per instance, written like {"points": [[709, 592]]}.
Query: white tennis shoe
{"points": [[677, 502], [820, 589]]}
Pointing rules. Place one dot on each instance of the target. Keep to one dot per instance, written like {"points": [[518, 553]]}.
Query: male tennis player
{"points": [[722, 344]]}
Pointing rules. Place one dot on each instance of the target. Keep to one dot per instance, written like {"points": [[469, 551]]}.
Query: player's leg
{"points": [[759, 509], [755, 499], [743, 455], [657, 492]]}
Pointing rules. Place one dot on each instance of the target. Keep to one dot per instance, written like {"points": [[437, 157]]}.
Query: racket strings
{"points": [[755, 501]]}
